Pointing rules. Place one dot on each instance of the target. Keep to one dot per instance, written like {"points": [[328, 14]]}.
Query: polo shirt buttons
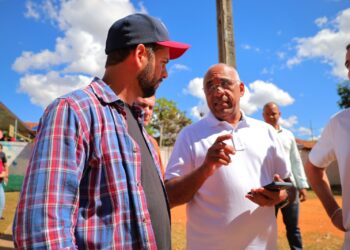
{"points": [[138, 183], [134, 150]]}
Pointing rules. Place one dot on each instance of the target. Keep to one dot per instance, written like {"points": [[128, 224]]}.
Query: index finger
{"points": [[222, 138]]}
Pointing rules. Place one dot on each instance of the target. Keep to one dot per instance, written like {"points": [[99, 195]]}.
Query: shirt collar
{"points": [[106, 95], [280, 130], [213, 121], [104, 92]]}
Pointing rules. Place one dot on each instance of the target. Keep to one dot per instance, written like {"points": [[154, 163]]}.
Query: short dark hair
{"points": [[119, 55], [348, 46]]}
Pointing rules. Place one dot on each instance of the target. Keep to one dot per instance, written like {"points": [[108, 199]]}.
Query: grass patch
{"points": [[313, 241], [178, 236], [9, 211], [326, 241]]}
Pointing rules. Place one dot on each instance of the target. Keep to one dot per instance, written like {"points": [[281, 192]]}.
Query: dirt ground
{"points": [[313, 218], [317, 230], [315, 226]]}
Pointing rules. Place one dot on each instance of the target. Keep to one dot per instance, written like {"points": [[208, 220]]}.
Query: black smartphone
{"points": [[278, 185]]}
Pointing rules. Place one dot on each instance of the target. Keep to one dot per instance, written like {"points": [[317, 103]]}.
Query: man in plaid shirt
{"points": [[93, 181]]}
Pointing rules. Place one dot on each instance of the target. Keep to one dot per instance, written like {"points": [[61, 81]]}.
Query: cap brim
{"points": [[176, 49]]}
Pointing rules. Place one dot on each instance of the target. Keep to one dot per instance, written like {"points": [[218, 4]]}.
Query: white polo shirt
{"points": [[219, 216], [294, 160], [334, 144]]}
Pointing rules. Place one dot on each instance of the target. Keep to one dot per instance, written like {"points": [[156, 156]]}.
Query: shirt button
{"points": [[144, 220], [138, 183], [134, 150]]}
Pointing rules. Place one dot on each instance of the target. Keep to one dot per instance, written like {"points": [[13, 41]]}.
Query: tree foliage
{"points": [[167, 122], [343, 90]]}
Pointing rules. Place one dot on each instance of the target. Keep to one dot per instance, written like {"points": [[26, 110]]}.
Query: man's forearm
{"points": [[181, 189], [320, 184]]}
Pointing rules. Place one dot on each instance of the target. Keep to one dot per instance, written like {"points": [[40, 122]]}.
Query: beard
{"points": [[148, 84]]}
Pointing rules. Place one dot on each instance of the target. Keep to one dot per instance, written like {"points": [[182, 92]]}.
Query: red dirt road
{"points": [[313, 219]]}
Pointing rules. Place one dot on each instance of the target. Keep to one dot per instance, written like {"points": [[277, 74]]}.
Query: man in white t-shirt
{"points": [[218, 167], [290, 213], [334, 144]]}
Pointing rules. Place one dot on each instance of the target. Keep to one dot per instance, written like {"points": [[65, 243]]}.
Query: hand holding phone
{"points": [[271, 194], [278, 185]]}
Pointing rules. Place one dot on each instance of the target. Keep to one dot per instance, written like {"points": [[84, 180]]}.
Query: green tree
{"points": [[343, 90], [167, 122]]}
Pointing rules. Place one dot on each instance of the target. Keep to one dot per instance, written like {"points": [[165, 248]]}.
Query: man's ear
{"points": [[241, 88], [140, 55]]}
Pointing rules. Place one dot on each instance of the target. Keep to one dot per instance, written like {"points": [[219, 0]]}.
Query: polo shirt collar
{"points": [[280, 130], [214, 122]]}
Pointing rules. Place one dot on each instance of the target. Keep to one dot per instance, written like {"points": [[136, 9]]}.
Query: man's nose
{"points": [[164, 73], [219, 90]]}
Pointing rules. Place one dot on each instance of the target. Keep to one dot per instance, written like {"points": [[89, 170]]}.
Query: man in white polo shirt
{"points": [[290, 213], [218, 167], [334, 144]]}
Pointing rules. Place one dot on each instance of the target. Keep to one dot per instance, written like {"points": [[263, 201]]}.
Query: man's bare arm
{"points": [[320, 184], [181, 189]]}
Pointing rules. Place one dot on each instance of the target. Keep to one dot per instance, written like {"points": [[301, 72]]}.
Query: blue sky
{"points": [[291, 52]]}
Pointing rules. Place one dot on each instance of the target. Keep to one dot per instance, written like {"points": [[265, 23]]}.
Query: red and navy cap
{"points": [[141, 29]]}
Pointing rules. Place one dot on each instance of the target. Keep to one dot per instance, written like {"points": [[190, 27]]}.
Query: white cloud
{"points": [[31, 10], [327, 44], [249, 47], [43, 89], [31, 61], [195, 88], [281, 55], [246, 46], [289, 122], [305, 131], [259, 92], [178, 67], [320, 22], [309, 133], [264, 71], [78, 52], [200, 110], [51, 9], [293, 61], [268, 71], [181, 67]]}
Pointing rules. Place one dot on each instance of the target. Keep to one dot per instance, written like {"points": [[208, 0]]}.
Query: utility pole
{"points": [[226, 42]]}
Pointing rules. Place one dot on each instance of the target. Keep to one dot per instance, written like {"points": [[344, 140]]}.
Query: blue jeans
{"points": [[2, 199], [290, 215]]}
